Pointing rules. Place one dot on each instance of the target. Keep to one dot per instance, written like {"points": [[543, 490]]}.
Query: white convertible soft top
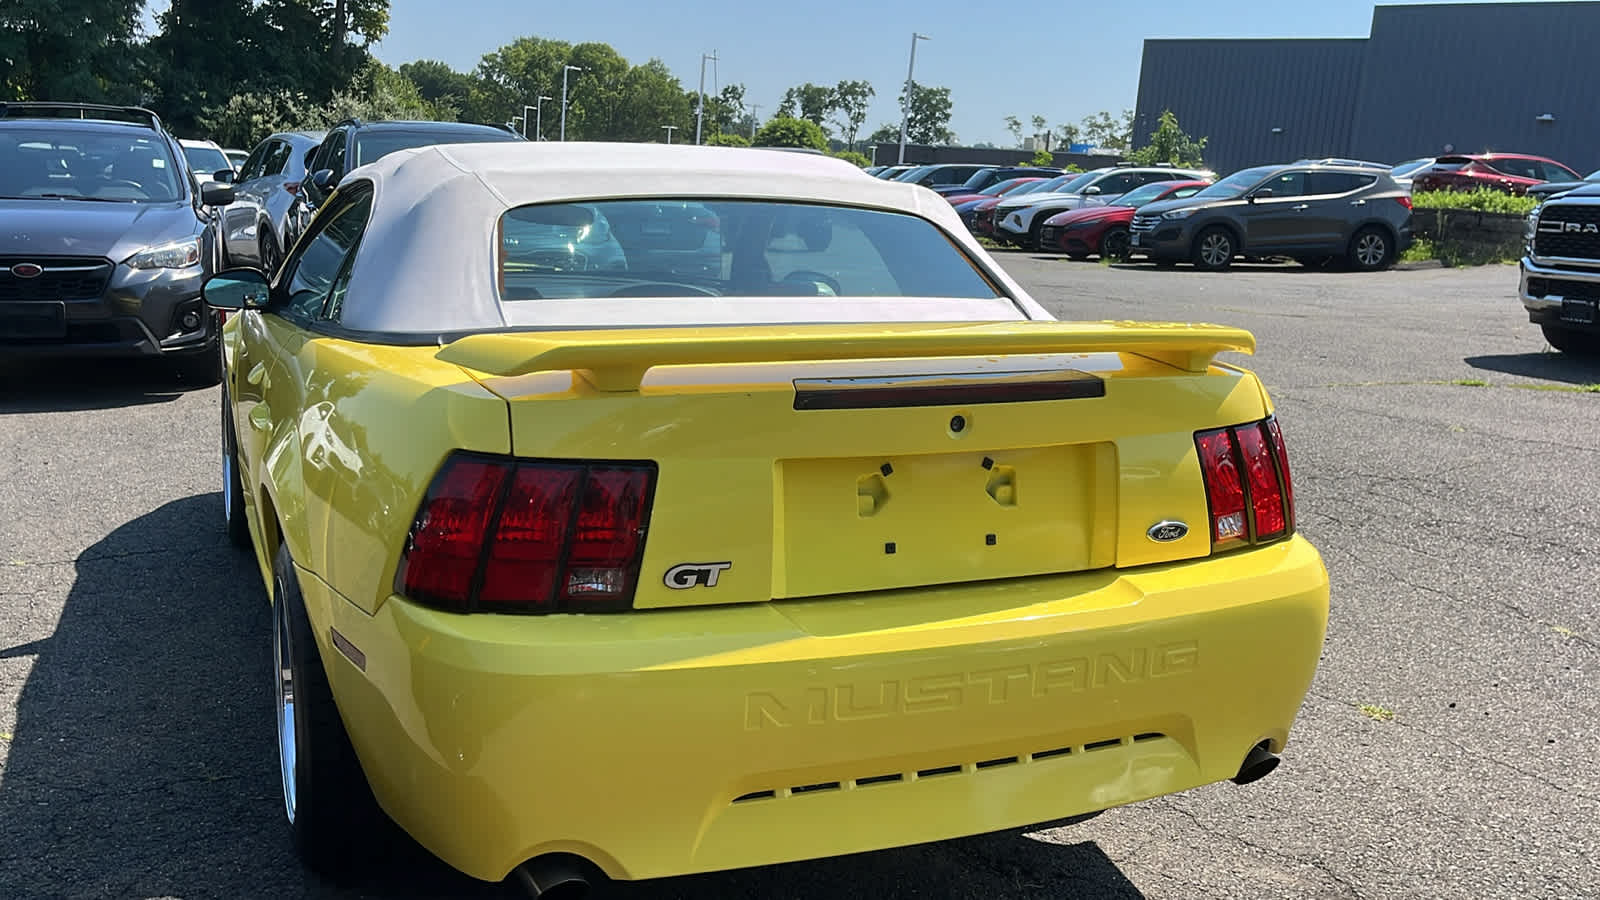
{"points": [[427, 263]]}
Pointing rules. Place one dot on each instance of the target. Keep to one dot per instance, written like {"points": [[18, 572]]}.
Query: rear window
{"points": [[206, 160], [735, 248], [376, 145]]}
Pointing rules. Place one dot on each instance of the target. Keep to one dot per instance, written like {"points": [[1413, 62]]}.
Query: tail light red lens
{"points": [[292, 187], [501, 535], [1248, 489], [1404, 201]]}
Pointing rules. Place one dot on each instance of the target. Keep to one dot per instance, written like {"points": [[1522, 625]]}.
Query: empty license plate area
{"points": [[877, 523], [33, 320]]}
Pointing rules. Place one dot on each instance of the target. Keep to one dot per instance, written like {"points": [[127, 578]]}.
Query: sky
{"points": [[998, 61]]}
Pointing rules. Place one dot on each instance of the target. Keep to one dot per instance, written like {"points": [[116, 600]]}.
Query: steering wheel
{"points": [[806, 276], [663, 289]]}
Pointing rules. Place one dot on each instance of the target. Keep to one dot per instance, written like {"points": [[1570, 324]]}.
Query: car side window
{"points": [[1117, 184], [1520, 168], [313, 276], [1286, 184], [1552, 172], [336, 154], [278, 158], [1337, 182], [255, 163]]}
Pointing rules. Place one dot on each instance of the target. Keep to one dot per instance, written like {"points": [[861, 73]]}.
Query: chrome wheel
{"points": [[1216, 250], [282, 664], [1371, 250]]}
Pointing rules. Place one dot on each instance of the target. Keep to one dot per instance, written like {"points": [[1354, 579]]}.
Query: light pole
{"points": [[538, 118], [524, 119], [700, 115], [905, 107], [754, 119], [565, 71], [670, 129]]}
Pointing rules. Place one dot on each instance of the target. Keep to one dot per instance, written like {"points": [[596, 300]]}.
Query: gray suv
{"points": [[258, 228], [108, 237], [1313, 212]]}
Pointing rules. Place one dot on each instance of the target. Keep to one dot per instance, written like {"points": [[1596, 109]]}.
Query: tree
{"points": [[811, 102], [1014, 125], [1102, 130], [859, 160], [885, 135], [1042, 158], [438, 83], [244, 119], [651, 97], [727, 139], [787, 131], [1070, 134], [516, 74], [929, 119], [850, 102], [1170, 144]]}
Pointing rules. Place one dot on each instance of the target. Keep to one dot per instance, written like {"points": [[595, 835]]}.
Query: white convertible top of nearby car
{"points": [[427, 263]]}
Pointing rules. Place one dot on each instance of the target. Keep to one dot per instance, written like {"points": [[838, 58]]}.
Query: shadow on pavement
{"points": [[1549, 366], [143, 764], [33, 386]]}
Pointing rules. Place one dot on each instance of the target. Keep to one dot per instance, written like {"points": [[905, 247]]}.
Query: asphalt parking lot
{"points": [[1442, 465]]}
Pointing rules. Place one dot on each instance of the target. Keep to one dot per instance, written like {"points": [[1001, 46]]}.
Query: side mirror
{"points": [[324, 179], [214, 194], [223, 176], [1091, 190], [242, 288]]}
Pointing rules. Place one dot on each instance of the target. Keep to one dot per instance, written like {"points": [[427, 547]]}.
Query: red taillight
{"points": [[1248, 490], [292, 187], [1266, 496], [1219, 464], [504, 535], [1403, 201]]}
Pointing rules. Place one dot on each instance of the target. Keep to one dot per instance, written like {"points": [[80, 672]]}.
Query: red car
{"points": [[999, 189], [1513, 173], [1104, 229]]}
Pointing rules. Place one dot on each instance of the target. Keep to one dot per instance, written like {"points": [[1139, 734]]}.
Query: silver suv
{"points": [[1314, 212]]}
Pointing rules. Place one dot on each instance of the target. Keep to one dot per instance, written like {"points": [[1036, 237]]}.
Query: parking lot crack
{"points": [[1319, 866]]}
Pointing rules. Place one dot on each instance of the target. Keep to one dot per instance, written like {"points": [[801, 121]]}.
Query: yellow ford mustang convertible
{"points": [[639, 511]]}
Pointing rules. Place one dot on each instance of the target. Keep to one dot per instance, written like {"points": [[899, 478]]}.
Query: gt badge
{"points": [[683, 576], [1168, 531]]}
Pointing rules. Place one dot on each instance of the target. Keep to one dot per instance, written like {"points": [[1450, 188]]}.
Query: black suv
{"points": [[354, 143], [1311, 211], [108, 237]]}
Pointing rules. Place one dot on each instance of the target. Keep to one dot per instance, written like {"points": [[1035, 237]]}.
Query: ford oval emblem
{"points": [[1168, 531], [27, 270]]}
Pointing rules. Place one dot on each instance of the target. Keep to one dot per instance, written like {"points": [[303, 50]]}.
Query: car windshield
{"points": [[980, 179], [118, 164], [376, 145], [1406, 168], [206, 160], [736, 248], [1141, 195], [1076, 183], [913, 174], [1044, 187], [1235, 185]]}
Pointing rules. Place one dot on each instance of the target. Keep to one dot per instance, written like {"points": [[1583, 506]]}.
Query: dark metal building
{"points": [[1513, 77]]}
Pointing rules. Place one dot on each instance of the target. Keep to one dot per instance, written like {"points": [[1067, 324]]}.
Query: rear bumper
{"points": [[679, 741], [1545, 292]]}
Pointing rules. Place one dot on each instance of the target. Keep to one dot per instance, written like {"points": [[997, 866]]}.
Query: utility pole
{"points": [[754, 119], [670, 129], [538, 118], [700, 115], [905, 107], [565, 71]]}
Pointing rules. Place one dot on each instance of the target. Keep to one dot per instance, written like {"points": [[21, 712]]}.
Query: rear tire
{"points": [[1371, 249], [1574, 343], [1114, 244], [232, 482], [333, 817], [1214, 249]]}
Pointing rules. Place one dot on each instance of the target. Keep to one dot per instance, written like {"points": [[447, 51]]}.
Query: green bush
{"points": [[1042, 158], [787, 132], [728, 140], [1480, 200], [858, 160]]}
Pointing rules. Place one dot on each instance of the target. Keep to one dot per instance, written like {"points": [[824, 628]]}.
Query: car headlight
{"points": [[176, 255], [1179, 214], [1530, 228]]}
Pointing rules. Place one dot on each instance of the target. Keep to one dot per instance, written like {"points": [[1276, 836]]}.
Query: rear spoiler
{"points": [[617, 360]]}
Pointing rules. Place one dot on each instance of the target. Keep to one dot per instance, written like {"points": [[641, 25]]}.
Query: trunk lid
{"points": [[802, 461]]}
